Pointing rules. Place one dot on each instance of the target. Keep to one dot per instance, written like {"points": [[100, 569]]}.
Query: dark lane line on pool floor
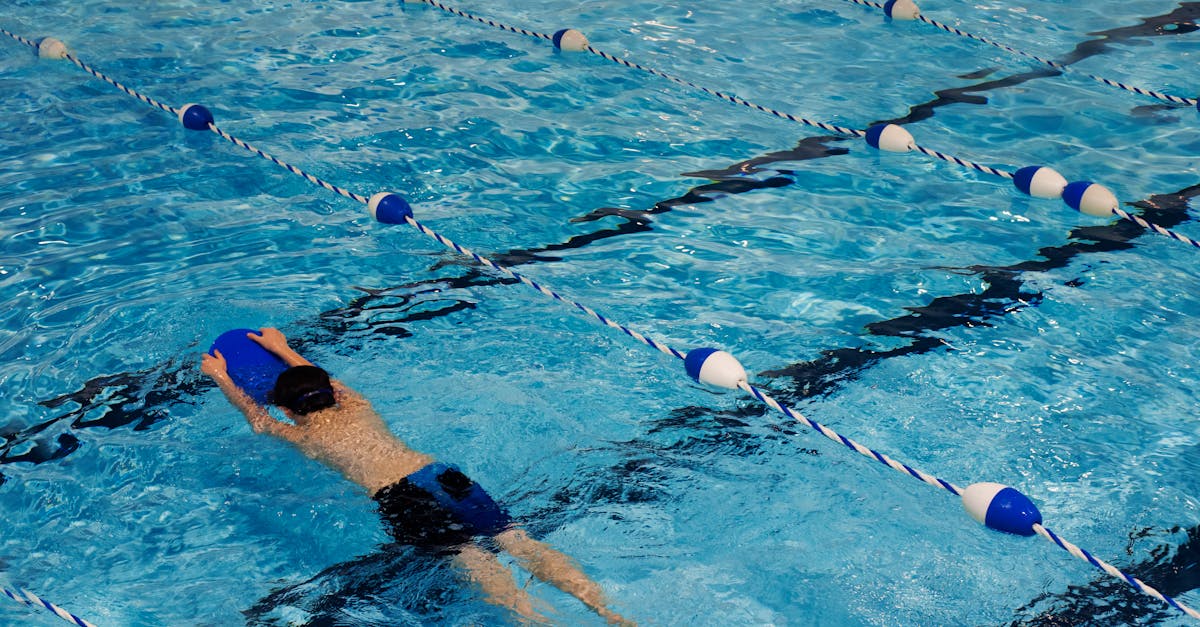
{"points": [[1004, 293]]}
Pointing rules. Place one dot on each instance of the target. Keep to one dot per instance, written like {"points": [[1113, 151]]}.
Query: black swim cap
{"points": [[303, 389]]}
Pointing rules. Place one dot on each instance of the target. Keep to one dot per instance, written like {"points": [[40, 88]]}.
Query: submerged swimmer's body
{"points": [[426, 503]]}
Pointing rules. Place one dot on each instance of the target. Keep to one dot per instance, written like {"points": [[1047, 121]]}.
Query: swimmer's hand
{"points": [[214, 365], [273, 340]]}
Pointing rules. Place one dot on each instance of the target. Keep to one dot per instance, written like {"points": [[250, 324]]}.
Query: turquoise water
{"points": [[928, 311]]}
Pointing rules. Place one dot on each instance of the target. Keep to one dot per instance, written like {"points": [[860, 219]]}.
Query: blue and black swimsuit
{"points": [[437, 507]]}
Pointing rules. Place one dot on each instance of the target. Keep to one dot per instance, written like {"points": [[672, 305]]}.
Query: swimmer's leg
{"points": [[558, 570], [497, 582]]}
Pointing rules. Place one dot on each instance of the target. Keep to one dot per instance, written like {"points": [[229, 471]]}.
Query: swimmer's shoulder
{"points": [[347, 396]]}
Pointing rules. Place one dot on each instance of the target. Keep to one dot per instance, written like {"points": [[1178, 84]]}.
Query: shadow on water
{"points": [[394, 585], [1004, 293], [139, 399], [1173, 567]]}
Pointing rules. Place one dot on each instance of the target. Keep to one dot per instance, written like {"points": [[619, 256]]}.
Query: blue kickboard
{"points": [[252, 368]]}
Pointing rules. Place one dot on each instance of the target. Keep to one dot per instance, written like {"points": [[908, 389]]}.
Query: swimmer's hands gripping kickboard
{"points": [[251, 367]]}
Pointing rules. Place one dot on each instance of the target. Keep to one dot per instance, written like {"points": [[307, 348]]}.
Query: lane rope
{"points": [[1092, 198], [907, 10]]}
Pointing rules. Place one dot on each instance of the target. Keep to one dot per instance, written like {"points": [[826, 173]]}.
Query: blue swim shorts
{"points": [[438, 506]]}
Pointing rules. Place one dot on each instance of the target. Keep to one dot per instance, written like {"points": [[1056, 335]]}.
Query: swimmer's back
{"points": [[352, 438]]}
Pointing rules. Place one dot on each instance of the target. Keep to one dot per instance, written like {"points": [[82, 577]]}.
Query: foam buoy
{"points": [[901, 9], [890, 137], [51, 48], [570, 40], [1040, 181], [714, 367], [389, 208], [1090, 198], [195, 117], [1001, 508]]}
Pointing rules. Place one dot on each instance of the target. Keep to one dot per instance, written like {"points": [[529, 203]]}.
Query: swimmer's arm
{"points": [[274, 341], [260, 421]]}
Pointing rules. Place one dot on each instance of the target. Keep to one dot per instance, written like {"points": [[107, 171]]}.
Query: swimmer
{"points": [[425, 503]]}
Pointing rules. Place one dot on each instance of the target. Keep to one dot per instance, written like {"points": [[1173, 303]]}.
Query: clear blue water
{"points": [[929, 312]]}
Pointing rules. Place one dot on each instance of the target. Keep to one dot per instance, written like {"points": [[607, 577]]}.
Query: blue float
{"points": [[901, 10], [1090, 198], [1001, 508], [570, 40], [1039, 181], [889, 137], [389, 208], [715, 367], [195, 117]]}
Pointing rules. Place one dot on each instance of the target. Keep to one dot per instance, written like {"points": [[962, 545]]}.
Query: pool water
{"points": [[930, 312]]}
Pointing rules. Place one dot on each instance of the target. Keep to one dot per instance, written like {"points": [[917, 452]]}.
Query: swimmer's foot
{"points": [[529, 616], [613, 618]]}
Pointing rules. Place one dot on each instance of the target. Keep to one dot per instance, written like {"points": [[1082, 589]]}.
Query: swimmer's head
{"points": [[303, 389]]}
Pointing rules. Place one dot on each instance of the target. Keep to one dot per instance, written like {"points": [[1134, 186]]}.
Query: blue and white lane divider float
{"points": [[907, 10], [1085, 196], [997, 506]]}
